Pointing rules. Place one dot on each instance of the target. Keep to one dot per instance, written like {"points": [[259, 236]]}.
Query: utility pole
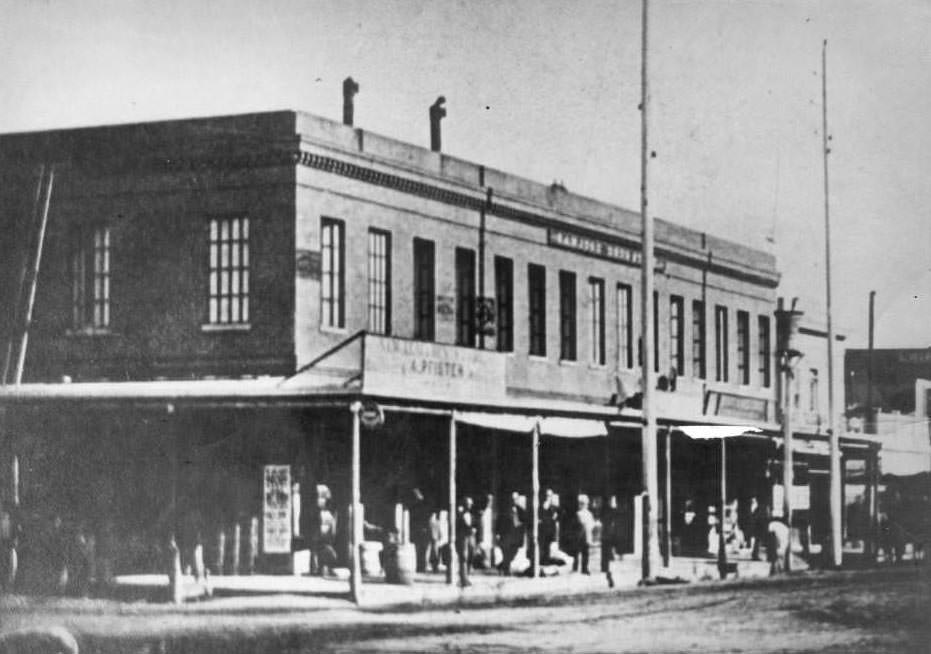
{"points": [[837, 549], [869, 422], [648, 436]]}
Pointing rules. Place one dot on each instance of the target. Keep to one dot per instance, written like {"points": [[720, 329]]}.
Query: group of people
{"points": [[566, 535]]}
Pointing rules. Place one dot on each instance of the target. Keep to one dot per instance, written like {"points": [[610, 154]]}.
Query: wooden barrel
{"points": [[400, 563], [370, 552]]}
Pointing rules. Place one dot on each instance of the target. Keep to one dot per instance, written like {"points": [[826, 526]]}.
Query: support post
{"points": [[355, 539], [648, 436], [175, 578], [535, 501], [668, 509], [453, 515], [722, 552], [787, 460]]}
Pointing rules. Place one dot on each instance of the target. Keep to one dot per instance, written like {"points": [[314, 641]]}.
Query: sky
{"points": [[549, 90]]}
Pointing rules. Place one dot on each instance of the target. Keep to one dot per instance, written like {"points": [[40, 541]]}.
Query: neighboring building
{"points": [[214, 294], [890, 386]]}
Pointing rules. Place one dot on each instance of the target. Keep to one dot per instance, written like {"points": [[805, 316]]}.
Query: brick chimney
{"points": [[350, 88], [437, 113]]}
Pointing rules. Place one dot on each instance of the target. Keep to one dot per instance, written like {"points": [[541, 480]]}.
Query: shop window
{"points": [[424, 289], [567, 316], [229, 271], [379, 281], [90, 277]]}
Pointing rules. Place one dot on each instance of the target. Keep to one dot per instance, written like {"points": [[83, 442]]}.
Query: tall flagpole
{"points": [[648, 435], [836, 488]]}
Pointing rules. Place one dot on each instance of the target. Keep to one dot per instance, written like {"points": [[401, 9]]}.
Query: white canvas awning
{"points": [[716, 432], [562, 427]]}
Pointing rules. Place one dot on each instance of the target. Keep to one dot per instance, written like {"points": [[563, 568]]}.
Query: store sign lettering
{"points": [[594, 246]]}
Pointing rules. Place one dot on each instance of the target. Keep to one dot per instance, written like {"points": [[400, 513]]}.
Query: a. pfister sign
{"points": [[429, 371]]}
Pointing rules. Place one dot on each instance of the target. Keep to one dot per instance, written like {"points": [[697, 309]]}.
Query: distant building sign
{"points": [[431, 371], [276, 510], [736, 406], [595, 247]]}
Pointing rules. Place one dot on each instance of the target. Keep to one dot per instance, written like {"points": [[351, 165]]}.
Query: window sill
{"points": [[537, 357], [597, 366], [568, 362], [223, 327], [89, 332], [333, 330]]}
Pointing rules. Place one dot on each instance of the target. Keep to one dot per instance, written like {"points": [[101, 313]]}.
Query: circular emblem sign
{"points": [[371, 415]]}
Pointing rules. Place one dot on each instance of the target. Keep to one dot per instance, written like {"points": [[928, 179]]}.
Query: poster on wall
{"points": [[276, 510]]}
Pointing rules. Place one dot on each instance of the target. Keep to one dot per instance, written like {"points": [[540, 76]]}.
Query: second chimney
{"points": [[437, 113], [350, 88]]}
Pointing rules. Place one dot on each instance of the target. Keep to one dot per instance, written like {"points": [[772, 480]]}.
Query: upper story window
{"points": [[332, 273], [698, 339], [379, 281], [676, 334], [567, 316], [764, 353], [743, 347], [229, 271], [720, 344], [504, 298], [625, 330], [465, 297], [424, 289], [596, 296], [90, 277], [536, 284]]}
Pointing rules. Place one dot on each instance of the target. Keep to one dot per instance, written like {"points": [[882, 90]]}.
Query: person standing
{"points": [[610, 537], [549, 525], [585, 529], [465, 540]]}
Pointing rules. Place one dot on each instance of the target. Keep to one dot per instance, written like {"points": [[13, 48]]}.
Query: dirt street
{"points": [[873, 611]]}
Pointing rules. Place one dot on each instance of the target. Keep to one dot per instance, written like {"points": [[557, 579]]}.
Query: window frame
{"points": [[504, 301], [699, 349], [676, 334], [625, 327], [424, 289], [721, 345], [568, 316], [90, 270], [764, 351], [465, 297], [239, 233], [743, 347], [379, 281], [536, 309], [332, 294], [596, 296]]}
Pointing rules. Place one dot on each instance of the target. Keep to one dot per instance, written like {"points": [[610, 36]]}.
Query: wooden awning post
{"points": [[535, 501], [668, 507], [453, 516], [722, 552], [355, 538]]}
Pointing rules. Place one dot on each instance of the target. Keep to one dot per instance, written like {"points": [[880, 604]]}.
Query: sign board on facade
{"points": [[736, 406], [801, 498], [595, 247], [276, 509], [430, 371]]}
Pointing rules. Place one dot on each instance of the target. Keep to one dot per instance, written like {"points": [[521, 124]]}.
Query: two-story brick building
{"points": [[214, 294]]}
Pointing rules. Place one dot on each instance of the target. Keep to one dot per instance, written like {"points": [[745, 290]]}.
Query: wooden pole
{"points": [[837, 543], [648, 435], [453, 516], [668, 508], [175, 578], [355, 540], [787, 459], [535, 502], [33, 280], [722, 553]]}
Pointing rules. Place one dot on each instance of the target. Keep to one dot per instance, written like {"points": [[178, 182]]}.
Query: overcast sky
{"points": [[549, 90]]}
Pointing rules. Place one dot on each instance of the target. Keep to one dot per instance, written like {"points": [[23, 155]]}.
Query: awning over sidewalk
{"points": [[562, 427], [717, 432]]}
